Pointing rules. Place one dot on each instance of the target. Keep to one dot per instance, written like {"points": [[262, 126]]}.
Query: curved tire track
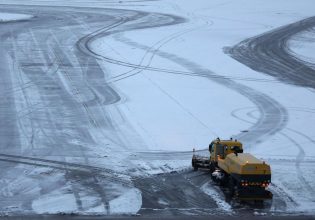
{"points": [[273, 115], [57, 102], [269, 53]]}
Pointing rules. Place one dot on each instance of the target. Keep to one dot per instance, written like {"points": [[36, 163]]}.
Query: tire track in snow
{"points": [[269, 53], [273, 115], [277, 108], [84, 44], [40, 80], [264, 127], [152, 51], [62, 64], [224, 82], [70, 174], [61, 165]]}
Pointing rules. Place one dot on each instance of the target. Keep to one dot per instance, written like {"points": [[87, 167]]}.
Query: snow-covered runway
{"points": [[101, 106]]}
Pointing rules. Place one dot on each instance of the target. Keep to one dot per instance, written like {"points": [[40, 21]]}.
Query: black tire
{"points": [[225, 181], [212, 177], [231, 186], [212, 167], [194, 165]]}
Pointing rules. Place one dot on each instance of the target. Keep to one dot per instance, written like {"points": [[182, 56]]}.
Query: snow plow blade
{"points": [[200, 162]]}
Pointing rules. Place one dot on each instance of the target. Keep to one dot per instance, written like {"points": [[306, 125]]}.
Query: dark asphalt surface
{"points": [[57, 41], [245, 217]]}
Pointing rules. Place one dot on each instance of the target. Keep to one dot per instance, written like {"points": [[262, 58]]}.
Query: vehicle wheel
{"points": [[225, 180], [212, 177], [194, 166], [231, 186], [212, 168]]}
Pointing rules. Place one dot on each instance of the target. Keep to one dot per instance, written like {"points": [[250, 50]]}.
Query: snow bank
{"points": [[64, 201], [5, 17], [55, 203], [128, 203]]}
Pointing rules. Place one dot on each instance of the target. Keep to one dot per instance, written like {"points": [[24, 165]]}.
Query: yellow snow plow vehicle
{"points": [[245, 176]]}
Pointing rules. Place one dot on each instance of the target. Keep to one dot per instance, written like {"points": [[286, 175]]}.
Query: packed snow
{"points": [[128, 203], [54, 203]]}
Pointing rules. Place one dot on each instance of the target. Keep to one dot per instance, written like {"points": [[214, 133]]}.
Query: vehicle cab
{"points": [[220, 148]]}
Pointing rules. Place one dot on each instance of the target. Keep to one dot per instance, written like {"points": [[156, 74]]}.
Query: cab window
{"points": [[220, 150], [211, 147]]}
